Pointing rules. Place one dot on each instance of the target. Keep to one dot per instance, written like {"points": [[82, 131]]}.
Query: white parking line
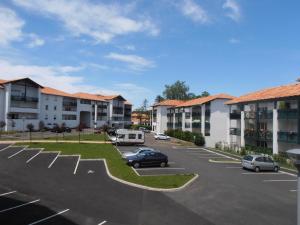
{"points": [[210, 157], [49, 217], [103, 222], [261, 173], [280, 180], [8, 193], [293, 190], [194, 148], [162, 168], [16, 153], [287, 173], [53, 161], [220, 154], [34, 156], [3, 149], [18, 206], [76, 165]]}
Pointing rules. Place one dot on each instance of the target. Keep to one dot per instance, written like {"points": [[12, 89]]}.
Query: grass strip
{"points": [[116, 164]]}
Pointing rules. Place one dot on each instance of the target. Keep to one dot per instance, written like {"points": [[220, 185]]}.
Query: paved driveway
{"points": [[226, 194]]}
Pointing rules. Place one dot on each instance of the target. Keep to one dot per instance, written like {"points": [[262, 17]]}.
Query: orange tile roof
{"points": [[3, 81], [110, 97], [52, 91], [269, 93], [203, 100], [88, 96], [169, 102]]}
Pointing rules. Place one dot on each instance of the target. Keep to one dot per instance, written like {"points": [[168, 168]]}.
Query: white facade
{"points": [[210, 118], [24, 102]]}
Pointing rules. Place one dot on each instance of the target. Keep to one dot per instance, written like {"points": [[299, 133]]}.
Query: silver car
{"points": [[259, 163], [136, 152]]}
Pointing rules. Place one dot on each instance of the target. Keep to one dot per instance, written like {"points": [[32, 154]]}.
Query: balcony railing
{"points": [[178, 114], [264, 135], [207, 112], [70, 104], [289, 137], [24, 99], [235, 131], [235, 115], [287, 113], [196, 125], [265, 115]]}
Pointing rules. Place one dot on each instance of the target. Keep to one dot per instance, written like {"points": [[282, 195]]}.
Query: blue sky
{"points": [[136, 47]]}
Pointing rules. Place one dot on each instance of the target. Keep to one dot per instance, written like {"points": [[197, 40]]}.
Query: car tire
{"points": [[257, 169], [163, 164], [136, 165], [276, 169]]}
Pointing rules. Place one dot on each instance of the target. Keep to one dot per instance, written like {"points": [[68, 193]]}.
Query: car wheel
{"points": [[136, 165], [163, 164], [276, 169], [257, 169]]}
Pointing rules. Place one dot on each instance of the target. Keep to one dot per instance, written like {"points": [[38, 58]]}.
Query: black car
{"points": [[148, 159]]}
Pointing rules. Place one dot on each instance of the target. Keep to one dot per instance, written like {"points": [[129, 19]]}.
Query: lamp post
{"points": [[294, 154]]}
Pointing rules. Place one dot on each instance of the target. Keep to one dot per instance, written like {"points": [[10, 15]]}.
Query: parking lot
{"points": [[39, 187]]}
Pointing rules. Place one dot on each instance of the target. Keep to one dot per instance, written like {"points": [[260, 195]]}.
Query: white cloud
{"points": [[234, 41], [134, 62], [233, 10], [35, 41], [129, 47], [194, 11], [102, 22], [10, 26]]}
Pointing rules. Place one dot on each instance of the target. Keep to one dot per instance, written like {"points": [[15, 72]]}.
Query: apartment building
{"points": [[206, 115], [24, 101], [268, 118]]}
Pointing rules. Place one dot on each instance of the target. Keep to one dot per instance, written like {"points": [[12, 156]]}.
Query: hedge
{"points": [[196, 138]]}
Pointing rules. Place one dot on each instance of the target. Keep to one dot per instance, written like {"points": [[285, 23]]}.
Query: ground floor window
{"points": [[69, 117]]}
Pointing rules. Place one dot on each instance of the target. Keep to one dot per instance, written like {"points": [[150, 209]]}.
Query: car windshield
{"points": [[137, 150], [248, 158]]}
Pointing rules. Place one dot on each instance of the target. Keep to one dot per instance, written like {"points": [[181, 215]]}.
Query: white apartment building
{"points": [[24, 101], [206, 115], [268, 118]]}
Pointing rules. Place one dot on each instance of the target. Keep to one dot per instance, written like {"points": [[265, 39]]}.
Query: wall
{"points": [[2, 104]]}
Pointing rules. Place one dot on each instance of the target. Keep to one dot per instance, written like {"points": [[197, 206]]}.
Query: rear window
{"points": [[131, 136], [248, 158], [140, 136], [259, 159]]}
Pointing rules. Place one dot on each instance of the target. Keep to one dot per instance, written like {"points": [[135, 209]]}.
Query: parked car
{"points": [[144, 129], [111, 132], [259, 163], [148, 159], [159, 136], [136, 152], [128, 137]]}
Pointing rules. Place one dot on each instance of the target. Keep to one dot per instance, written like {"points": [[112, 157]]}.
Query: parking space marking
{"points": [[16, 153], [195, 148], [287, 173], [293, 190], [18, 206], [8, 193], [53, 161], [34, 156], [280, 180], [103, 222], [210, 157], [49, 217], [3, 149], [76, 165], [161, 168], [233, 167], [220, 154], [261, 173], [223, 161]]}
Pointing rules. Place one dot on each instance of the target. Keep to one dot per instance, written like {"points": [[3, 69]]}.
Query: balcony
{"points": [[24, 99], [70, 104], [250, 115], [170, 125], [235, 131], [178, 114], [169, 114], [265, 115], [288, 114], [207, 112], [288, 137], [235, 115], [196, 125], [264, 135]]}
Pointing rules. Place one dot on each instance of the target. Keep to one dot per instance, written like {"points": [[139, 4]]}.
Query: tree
{"points": [[179, 90], [30, 128], [159, 99], [142, 111], [2, 125], [205, 94]]}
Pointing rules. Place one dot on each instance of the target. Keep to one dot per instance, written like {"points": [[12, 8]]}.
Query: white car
{"points": [[161, 137], [136, 152]]}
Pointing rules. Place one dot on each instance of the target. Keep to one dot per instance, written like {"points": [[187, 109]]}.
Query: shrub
{"points": [[137, 126], [41, 126], [243, 152], [199, 140]]}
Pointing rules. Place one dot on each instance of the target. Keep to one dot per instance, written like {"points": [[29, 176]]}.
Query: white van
{"points": [[129, 137]]}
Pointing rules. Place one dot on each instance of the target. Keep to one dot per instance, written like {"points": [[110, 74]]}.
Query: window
{"points": [[259, 159], [85, 102], [132, 136], [54, 117], [140, 136], [55, 108], [122, 136], [69, 117], [46, 107], [46, 117], [187, 115]]}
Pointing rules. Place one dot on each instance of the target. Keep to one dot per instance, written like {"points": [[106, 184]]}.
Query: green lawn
{"points": [[117, 166], [83, 137]]}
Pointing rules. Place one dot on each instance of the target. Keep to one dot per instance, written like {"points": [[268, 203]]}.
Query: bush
{"points": [[197, 138], [136, 127]]}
